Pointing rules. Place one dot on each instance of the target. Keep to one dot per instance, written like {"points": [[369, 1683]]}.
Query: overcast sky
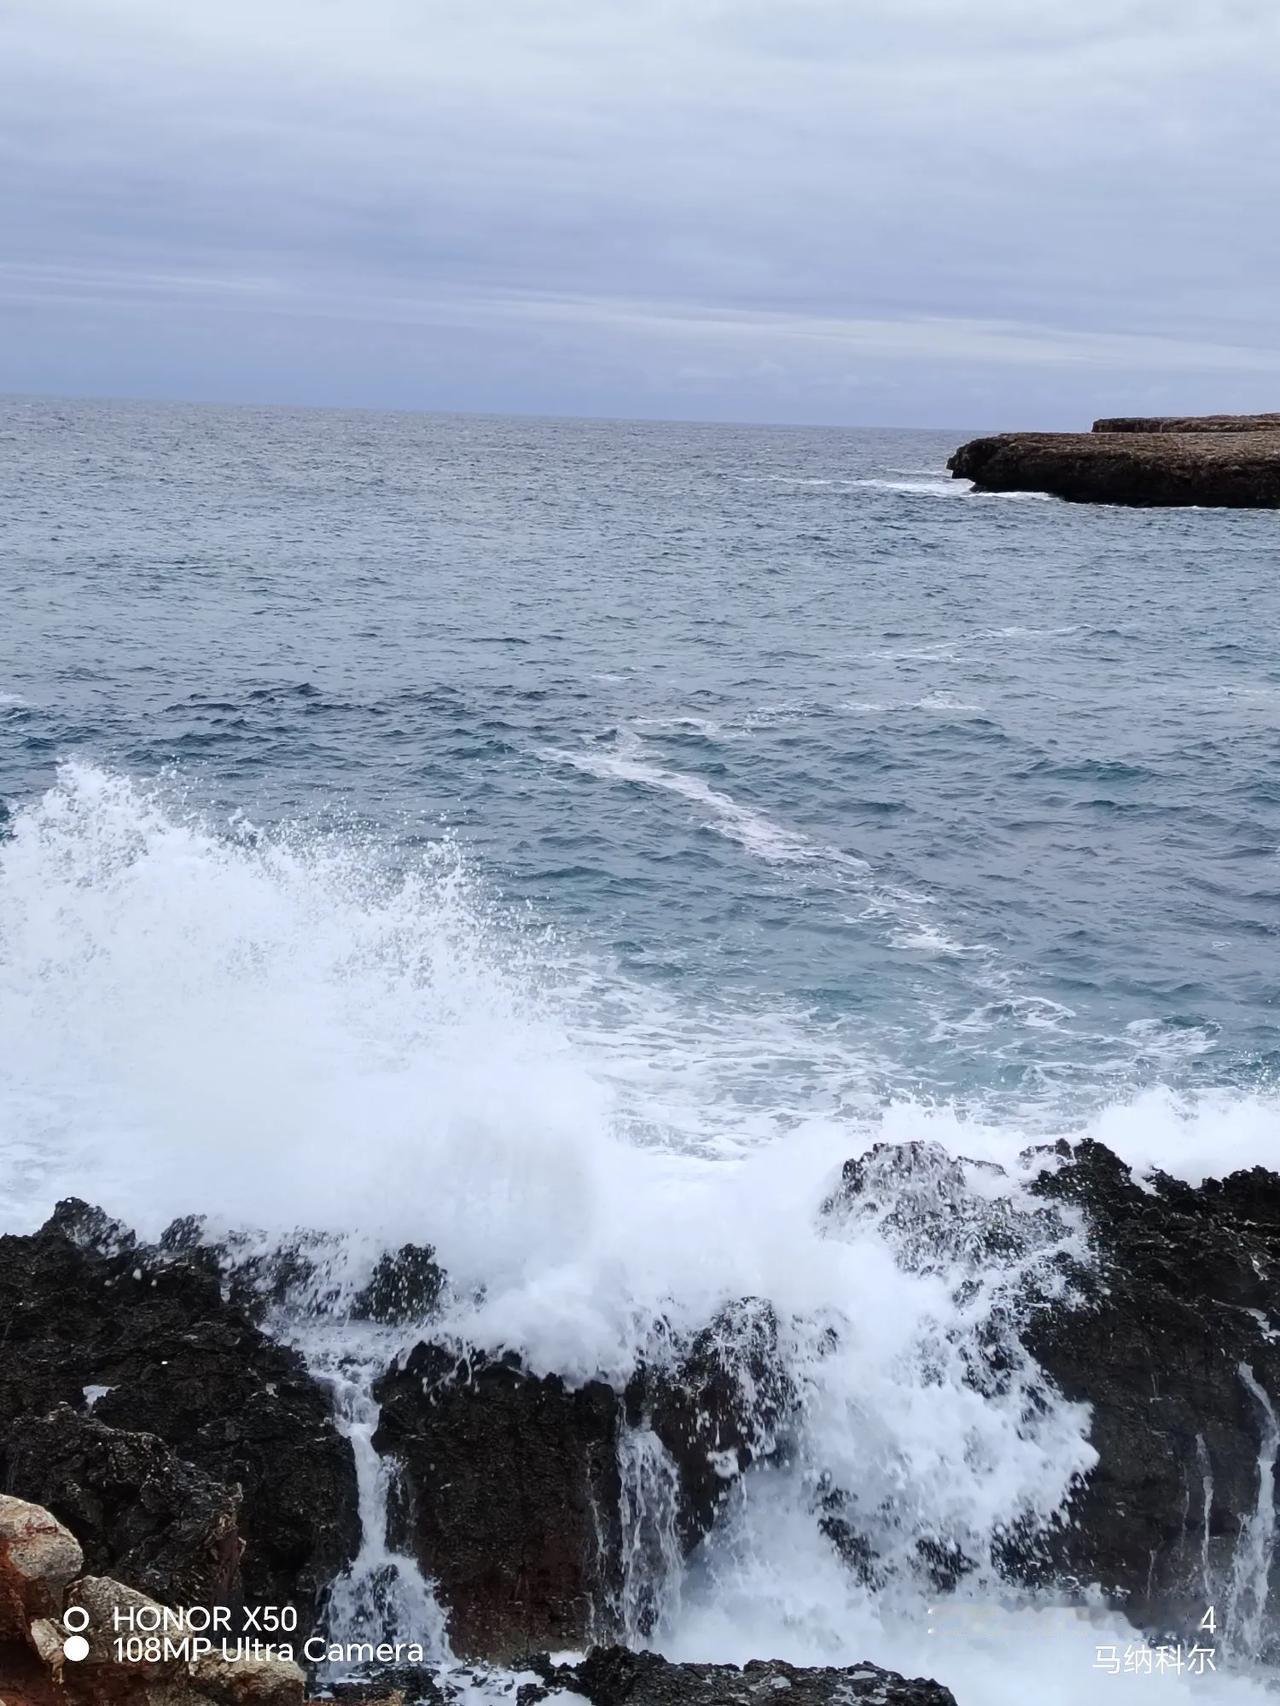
{"points": [[932, 212]]}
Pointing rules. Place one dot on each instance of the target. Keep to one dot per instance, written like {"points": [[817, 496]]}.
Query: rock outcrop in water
{"points": [[196, 1460], [185, 1448], [509, 1497], [1177, 1349], [1169, 1331], [509, 1485], [719, 1407], [1218, 462], [1188, 423]]}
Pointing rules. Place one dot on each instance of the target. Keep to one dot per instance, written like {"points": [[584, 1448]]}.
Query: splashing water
{"points": [[279, 1031], [1254, 1560], [652, 1556], [382, 1596]]}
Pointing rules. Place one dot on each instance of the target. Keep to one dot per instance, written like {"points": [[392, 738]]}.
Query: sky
{"points": [[1008, 213]]}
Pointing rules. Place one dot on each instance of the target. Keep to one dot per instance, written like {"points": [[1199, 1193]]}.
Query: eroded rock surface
{"points": [[159, 1522], [615, 1676], [1188, 423], [1216, 468], [141, 1343], [39, 1558], [1177, 1348], [510, 1497]]}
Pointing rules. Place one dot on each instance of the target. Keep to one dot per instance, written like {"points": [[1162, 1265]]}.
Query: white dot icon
{"points": [[75, 1648]]}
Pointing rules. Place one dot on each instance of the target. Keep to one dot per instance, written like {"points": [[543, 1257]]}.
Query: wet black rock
{"points": [[148, 1336], [1176, 1346], [1002, 1254], [257, 1277], [510, 1487], [1155, 1304], [413, 1687], [509, 1497], [404, 1287], [719, 1407], [615, 1676], [161, 1525]]}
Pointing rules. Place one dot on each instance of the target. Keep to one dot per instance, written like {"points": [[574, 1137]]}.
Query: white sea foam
{"points": [[699, 725], [629, 761], [941, 487], [275, 1031]]}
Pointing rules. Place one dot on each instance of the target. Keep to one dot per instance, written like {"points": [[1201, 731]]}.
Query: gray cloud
{"points": [[900, 210]]}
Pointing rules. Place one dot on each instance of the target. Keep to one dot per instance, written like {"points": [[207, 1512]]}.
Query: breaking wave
{"points": [[285, 1031]]}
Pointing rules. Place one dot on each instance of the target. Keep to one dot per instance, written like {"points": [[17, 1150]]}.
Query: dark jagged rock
{"points": [[918, 1195], [1188, 423], [510, 1497], [404, 1287], [616, 1676], [139, 1512], [939, 1217], [1177, 1349], [511, 1491], [253, 1278], [721, 1407], [85, 1306], [1215, 469], [414, 1687], [1166, 1323]]}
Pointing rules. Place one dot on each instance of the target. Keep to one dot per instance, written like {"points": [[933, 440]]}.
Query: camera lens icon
{"points": [[75, 1621]]}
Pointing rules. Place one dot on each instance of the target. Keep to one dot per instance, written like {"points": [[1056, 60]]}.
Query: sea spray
{"points": [[270, 1030]]}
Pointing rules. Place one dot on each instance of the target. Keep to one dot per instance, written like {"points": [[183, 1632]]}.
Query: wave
{"points": [[284, 1030]]}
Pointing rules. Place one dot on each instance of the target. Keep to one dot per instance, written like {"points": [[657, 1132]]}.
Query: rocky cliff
{"points": [[1217, 462]]}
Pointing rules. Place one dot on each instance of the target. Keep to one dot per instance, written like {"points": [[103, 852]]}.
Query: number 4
{"points": [[1209, 1622]]}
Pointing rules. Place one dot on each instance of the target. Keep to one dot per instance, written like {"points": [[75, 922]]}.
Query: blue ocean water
{"points": [[984, 791], [566, 843]]}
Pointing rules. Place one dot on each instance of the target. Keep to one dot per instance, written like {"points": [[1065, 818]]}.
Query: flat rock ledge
{"points": [[1212, 461]]}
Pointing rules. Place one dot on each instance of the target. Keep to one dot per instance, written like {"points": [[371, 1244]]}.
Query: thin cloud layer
{"points": [[907, 211]]}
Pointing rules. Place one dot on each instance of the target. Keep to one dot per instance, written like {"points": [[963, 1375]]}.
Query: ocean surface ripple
{"points": [[569, 841]]}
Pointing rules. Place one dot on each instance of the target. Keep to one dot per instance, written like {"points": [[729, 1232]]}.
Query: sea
{"points": [[566, 843]]}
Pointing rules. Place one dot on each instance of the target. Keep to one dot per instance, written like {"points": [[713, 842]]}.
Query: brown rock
{"points": [[249, 1682], [39, 1558], [105, 1679], [1189, 423], [1215, 469], [24, 1679]]}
